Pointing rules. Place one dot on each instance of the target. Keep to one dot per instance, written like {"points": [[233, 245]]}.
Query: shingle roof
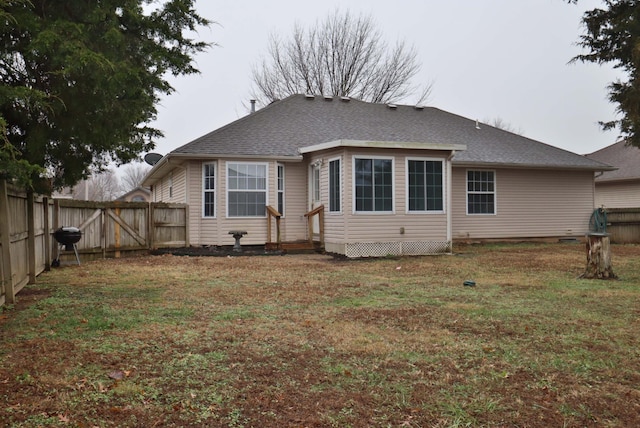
{"points": [[625, 158], [285, 126]]}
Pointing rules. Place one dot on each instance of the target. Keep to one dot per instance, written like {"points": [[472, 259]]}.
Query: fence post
{"points": [[150, 226], [31, 236], [47, 234], [5, 237]]}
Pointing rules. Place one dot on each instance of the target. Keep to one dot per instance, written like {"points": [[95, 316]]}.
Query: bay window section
{"points": [[373, 185], [246, 189]]}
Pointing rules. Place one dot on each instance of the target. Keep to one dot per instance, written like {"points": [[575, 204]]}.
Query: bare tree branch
{"points": [[132, 176], [103, 186]]}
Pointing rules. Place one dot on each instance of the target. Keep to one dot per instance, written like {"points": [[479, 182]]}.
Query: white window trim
{"points": [[214, 191], [340, 190], [444, 186], [284, 186], [266, 190], [495, 191], [353, 184]]}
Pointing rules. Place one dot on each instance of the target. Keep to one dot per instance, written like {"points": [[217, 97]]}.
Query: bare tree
{"points": [[132, 176], [103, 186], [341, 56], [500, 123]]}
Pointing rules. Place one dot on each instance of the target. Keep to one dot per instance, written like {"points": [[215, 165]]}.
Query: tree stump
{"points": [[598, 257]]}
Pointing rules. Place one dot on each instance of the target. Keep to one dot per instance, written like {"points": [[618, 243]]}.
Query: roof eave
{"points": [[172, 160], [480, 164], [381, 145]]}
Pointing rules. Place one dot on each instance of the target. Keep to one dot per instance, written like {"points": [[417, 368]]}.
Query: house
{"points": [[139, 194], [373, 180], [619, 188]]}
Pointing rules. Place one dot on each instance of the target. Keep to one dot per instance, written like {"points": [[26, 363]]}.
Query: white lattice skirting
{"points": [[382, 249]]}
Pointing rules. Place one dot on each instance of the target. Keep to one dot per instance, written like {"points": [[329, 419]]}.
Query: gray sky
{"points": [[485, 58]]}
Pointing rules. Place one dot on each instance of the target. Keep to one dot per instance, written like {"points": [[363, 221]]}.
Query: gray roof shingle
{"points": [[625, 158], [298, 121]]}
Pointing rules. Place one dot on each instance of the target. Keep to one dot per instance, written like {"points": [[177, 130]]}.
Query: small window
{"points": [[373, 185], [281, 189], [481, 192], [246, 189], [334, 186], [209, 189], [425, 181]]}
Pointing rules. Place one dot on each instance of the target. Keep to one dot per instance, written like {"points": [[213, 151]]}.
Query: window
{"points": [[171, 185], [209, 188], [281, 189], [315, 183], [374, 185], [246, 189], [425, 180], [334, 186], [481, 192]]}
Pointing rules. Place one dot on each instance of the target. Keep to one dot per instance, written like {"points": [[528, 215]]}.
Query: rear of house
{"points": [[371, 180]]}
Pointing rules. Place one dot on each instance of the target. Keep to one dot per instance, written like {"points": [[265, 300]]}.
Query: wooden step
{"points": [[294, 246]]}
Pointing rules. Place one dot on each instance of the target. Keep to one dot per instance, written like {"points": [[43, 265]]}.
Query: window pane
{"points": [[374, 184], [425, 185], [280, 189], [334, 186], [209, 204]]}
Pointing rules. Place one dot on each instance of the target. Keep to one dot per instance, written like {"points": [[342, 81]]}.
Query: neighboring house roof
{"points": [[138, 190], [622, 156], [284, 128]]}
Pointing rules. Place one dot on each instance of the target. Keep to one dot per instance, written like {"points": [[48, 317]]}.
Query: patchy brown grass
{"points": [[312, 341]]}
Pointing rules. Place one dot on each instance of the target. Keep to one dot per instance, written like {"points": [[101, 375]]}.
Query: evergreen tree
{"points": [[80, 80], [612, 36]]}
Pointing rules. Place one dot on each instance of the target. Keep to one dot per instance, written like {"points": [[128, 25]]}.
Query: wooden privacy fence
{"points": [[109, 229], [623, 225]]}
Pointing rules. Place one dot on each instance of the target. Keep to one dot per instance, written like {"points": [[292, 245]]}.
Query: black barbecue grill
{"points": [[67, 237]]}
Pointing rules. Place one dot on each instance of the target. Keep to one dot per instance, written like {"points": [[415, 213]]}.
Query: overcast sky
{"points": [[485, 58]]}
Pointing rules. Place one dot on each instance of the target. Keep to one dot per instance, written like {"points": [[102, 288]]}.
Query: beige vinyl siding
{"points": [[529, 204], [179, 186], [621, 194], [172, 187]]}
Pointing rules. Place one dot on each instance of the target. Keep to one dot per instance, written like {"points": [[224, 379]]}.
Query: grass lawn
{"points": [[313, 341]]}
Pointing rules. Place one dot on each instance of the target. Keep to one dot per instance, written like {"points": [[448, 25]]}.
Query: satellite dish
{"points": [[152, 158]]}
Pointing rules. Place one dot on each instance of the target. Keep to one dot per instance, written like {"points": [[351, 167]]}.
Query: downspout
{"points": [[593, 186], [449, 201]]}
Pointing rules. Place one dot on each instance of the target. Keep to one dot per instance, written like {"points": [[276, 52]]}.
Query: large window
{"points": [[246, 189], [425, 180], [374, 184], [334, 186], [209, 189], [281, 189], [481, 192]]}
